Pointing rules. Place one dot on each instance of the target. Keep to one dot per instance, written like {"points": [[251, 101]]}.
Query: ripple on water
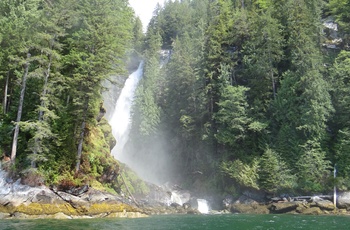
{"points": [[187, 222]]}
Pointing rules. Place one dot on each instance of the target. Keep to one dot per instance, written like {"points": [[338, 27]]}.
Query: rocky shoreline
{"points": [[18, 201], [314, 205], [44, 203]]}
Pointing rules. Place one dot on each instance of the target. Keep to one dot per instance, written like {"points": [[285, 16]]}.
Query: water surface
{"points": [[183, 222]]}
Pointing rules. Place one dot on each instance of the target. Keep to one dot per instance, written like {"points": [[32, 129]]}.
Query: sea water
{"points": [[184, 222]]}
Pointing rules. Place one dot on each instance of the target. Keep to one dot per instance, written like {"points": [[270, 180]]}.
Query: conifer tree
{"points": [[303, 104], [96, 47], [274, 175]]}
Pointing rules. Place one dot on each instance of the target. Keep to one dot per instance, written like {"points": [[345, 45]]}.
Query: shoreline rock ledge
{"points": [[311, 206], [21, 202]]}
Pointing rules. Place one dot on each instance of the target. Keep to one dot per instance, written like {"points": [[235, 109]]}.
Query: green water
{"points": [[183, 222]]}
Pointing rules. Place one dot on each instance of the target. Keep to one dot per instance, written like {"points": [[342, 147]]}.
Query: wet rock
{"points": [[19, 215], [301, 208], [249, 208], [245, 200], [283, 207], [325, 205], [78, 191], [4, 215], [186, 205], [60, 216], [73, 200], [227, 201], [255, 195], [313, 211], [126, 215], [193, 212], [175, 205]]}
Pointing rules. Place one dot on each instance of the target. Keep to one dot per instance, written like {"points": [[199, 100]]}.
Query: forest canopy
{"points": [[54, 57], [254, 95]]}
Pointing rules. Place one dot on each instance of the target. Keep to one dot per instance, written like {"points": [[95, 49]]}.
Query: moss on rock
{"points": [[37, 209], [95, 209], [46, 209]]}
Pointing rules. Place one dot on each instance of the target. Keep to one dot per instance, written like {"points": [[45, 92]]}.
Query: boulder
{"points": [[245, 200], [95, 196], [258, 196], [71, 199], [249, 208], [343, 200], [284, 207], [227, 201], [325, 205], [313, 211], [4, 215], [60, 216]]}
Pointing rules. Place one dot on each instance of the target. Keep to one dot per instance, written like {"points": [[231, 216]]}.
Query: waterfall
{"points": [[120, 120], [175, 198], [203, 206]]}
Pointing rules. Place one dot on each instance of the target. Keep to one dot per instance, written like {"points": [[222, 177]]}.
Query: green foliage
{"points": [[274, 174], [232, 116], [69, 47], [129, 181], [342, 148], [241, 75], [262, 53], [313, 169], [246, 175], [340, 9]]}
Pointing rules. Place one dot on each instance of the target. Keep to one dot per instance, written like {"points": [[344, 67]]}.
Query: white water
{"points": [[175, 198], [16, 193], [120, 120], [203, 206]]}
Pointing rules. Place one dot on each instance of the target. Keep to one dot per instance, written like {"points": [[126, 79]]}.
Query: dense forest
{"points": [[255, 94], [54, 57]]}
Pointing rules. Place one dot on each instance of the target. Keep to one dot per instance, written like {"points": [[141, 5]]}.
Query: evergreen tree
{"points": [[97, 44], [313, 169], [340, 123], [340, 9], [303, 104], [274, 175], [21, 23], [262, 54]]}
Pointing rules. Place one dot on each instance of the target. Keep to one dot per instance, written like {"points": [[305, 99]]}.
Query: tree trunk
{"points": [[41, 112], [42, 103], [81, 137], [80, 146], [19, 112], [6, 93], [273, 85], [271, 74]]}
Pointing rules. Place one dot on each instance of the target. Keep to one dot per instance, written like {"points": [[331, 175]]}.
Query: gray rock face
{"points": [[343, 200], [325, 205], [16, 193], [245, 200], [283, 207]]}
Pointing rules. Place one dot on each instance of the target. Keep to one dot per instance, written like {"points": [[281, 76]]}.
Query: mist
{"points": [[150, 157]]}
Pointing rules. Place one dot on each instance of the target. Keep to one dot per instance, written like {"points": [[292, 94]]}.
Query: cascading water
{"points": [[151, 162], [120, 120], [175, 198], [203, 206]]}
